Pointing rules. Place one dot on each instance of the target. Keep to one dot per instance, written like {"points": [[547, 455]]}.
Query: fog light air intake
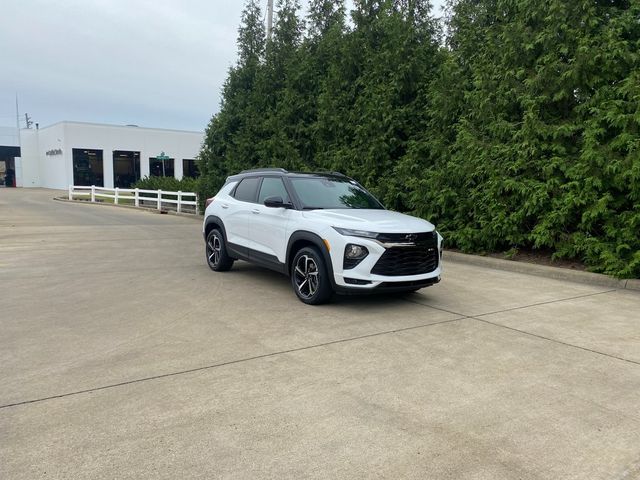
{"points": [[353, 255]]}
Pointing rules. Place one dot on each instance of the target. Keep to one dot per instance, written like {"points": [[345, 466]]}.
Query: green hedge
{"points": [[168, 183], [519, 130]]}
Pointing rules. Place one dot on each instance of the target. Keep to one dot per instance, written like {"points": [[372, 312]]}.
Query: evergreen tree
{"points": [[544, 130], [228, 144], [521, 131], [325, 15], [283, 112]]}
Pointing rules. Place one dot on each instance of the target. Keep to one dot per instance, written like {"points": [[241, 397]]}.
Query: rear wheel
{"points": [[216, 252], [309, 277]]}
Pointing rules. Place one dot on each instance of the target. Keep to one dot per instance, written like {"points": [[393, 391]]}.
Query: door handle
{"points": [[225, 206], [255, 211]]}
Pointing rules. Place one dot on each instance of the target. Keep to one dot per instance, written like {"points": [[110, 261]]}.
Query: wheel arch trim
{"points": [[214, 220], [315, 240]]}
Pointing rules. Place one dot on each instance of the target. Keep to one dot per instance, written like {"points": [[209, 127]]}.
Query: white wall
{"points": [[29, 160], [9, 137], [56, 171]]}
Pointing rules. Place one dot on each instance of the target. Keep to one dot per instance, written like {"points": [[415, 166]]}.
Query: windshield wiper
{"points": [[313, 208]]}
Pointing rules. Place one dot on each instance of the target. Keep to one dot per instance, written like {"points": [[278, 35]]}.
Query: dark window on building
{"points": [[247, 189], [161, 167], [87, 167], [8, 165], [126, 168], [190, 168], [272, 187]]}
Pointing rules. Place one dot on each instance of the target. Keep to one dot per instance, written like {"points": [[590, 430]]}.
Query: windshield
{"points": [[333, 193]]}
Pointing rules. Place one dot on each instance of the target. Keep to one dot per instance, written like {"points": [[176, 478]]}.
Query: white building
{"points": [[76, 153]]}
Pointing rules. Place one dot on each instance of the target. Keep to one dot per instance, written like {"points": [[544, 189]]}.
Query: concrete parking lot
{"points": [[123, 356]]}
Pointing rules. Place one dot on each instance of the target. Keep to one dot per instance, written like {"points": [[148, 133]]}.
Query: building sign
{"points": [[55, 151]]}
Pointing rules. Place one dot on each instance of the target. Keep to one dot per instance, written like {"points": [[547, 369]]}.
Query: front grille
{"points": [[423, 237], [418, 259]]}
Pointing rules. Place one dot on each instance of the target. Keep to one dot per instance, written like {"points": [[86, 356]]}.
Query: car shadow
{"points": [[366, 300]]}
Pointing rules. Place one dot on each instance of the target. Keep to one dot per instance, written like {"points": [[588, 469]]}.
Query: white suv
{"points": [[324, 230]]}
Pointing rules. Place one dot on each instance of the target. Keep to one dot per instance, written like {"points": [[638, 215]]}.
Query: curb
{"points": [[131, 207], [556, 273]]}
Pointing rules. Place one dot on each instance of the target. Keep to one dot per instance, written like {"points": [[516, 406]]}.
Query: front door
{"points": [[267, 226]]}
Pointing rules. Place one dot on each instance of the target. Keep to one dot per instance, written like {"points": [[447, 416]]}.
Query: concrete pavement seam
{"points": [[548, 302], [512, 308], [231, 362], [476, 317], [556, 341]]}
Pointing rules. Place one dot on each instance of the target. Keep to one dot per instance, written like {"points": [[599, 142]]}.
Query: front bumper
{"points": [[360, 279], [388, 287]]}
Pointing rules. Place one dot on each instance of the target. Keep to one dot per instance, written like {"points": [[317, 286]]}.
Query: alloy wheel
{"points": [[214, 250], [306, 276]]}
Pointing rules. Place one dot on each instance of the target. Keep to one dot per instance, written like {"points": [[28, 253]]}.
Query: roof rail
{"points": [[254, 170], [338, 174]]}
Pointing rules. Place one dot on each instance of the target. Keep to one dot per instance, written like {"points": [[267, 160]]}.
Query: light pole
{"points": [[269, 18]]}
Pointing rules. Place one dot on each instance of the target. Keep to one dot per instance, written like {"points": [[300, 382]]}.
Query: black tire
{"points": [[309, 277], [216, 252]]}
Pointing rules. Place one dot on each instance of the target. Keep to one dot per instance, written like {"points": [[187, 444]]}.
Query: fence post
{"points": [[70, 192], [197, 206], [93, 193], [179, 204], [116, 195], [137, 198], [159, 199]]}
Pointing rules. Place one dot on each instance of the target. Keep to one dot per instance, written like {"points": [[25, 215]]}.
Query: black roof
{"points": [[286, 173]]}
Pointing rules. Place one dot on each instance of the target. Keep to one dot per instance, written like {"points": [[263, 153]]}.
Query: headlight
{"points": [[355, 233]]}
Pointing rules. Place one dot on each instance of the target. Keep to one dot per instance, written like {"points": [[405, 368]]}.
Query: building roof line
{"points": [[67, 122]]}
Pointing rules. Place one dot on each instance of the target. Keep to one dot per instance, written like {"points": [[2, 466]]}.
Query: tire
{"points": [[309, 277], [216, 252]]}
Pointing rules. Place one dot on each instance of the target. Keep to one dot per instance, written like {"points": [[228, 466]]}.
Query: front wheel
{"points": [[216, 252], [309, 277]]}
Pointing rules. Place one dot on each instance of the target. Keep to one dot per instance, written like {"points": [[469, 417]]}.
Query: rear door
{"points": [[238, 209]]}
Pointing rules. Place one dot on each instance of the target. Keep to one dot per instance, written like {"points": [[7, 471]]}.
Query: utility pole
{"points": [[17, 115], [269, 18], [27, 120]]}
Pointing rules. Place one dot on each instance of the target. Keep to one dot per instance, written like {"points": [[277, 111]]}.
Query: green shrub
{"points": [[170, 184]]}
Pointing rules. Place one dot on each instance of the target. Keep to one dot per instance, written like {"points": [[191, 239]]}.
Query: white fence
{"points": [[181, 202]]}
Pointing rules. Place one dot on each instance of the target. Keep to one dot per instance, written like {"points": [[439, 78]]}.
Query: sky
{"points": [[152, 63]]}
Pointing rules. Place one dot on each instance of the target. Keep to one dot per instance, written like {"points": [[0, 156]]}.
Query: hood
{"points": [[379, 221]]}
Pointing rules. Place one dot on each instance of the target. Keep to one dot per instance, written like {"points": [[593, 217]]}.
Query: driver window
{"points": [[272, 187]]}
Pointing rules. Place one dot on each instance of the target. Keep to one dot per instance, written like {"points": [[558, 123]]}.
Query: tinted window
{"points": [[162, 167], [333, 193], [87, 167], [273, 187], [246, 190], [190, 168]]}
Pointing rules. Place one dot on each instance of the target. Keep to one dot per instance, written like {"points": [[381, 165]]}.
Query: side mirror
{"points": [[275, 202]]}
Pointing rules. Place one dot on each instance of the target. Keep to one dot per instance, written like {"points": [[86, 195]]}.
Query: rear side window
{"points": [[247, 190], [273, 187]]}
